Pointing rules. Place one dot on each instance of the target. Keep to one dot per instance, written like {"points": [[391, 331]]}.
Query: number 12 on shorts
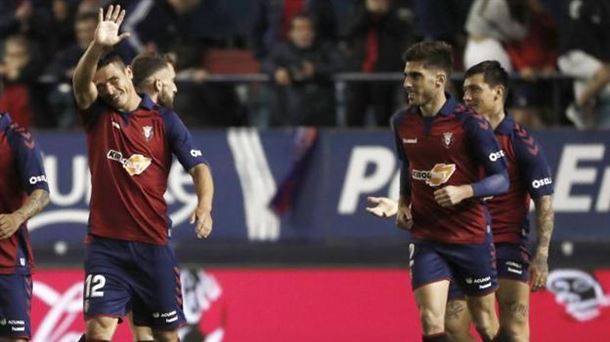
{"points": [[93, 285]]}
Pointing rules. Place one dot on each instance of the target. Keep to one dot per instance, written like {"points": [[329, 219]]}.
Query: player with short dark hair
{"points": [[444, 147], [485, 90], [129, 264], [24, 192]]}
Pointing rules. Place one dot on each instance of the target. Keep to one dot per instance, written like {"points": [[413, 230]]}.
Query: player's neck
{"points": [[495, 118], [433, 106], [132, 105]]}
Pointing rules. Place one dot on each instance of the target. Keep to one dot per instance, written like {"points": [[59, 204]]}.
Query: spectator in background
{"points": [[585, 55], [61, 70], [533, 57], [443, 20], [272, 22], [489, 24], [19, 70], [31, 18], [302, 69], [62, 25], [376, 36]]}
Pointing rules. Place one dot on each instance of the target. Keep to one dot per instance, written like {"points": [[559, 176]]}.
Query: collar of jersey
{"points": [[506, 126], [146, 103], [447, 108]]}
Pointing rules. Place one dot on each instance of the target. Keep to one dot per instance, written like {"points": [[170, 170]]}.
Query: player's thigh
{"points": [[166, 336], [426, 264], [106, 288], [15, 299], [140, 333], [157, 301], [513, 299], [431, 300], [473, 267]]}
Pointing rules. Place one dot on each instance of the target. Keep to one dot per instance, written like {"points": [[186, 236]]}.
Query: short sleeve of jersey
{"points": [[484, 145], [532, 164], [405, 179], [181, 142], [29, 160]]}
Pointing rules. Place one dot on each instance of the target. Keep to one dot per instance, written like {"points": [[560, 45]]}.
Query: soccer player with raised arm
{"points": [[450, 161], [130, 142], [485, 89], [24, 192]]}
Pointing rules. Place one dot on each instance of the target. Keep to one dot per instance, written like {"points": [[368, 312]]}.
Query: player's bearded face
{"points": [[168, 90], [420, 83]]}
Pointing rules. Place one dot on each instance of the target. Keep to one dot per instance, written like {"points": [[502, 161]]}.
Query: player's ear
{"points": [[441, 78], [129, 72], [500, 91], [158, 85]]}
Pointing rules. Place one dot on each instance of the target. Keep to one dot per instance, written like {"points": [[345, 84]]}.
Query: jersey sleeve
{"points": [[29, 160], [405, 179], [487, 152], [89, 117], [532, 163], [181, 142], [484, 146]]}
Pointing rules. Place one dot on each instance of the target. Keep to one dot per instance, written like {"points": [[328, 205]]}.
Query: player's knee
{"points": [[101, 328], [433, 322], [166, 336], [515, 320]]}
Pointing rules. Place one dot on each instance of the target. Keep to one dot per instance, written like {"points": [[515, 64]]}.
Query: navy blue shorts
{"points": [[512, 262], [472, 266], [123, 275], [15, 305]]}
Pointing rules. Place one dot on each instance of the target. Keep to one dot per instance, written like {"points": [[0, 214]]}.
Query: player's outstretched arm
{"points": [[382, 206], [544, 226], [204, 185], [9, 223], [106, 36]]}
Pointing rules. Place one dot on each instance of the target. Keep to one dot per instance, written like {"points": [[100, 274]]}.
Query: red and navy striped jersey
{"points": [[130, 156], [21, 172], [455, 147], [530, 177]]}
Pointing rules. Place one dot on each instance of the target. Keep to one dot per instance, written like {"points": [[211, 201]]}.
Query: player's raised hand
{"points": [[203, 222], [107, 30], [452, 195], [404, 219], [382, 206], [9, 223], [539, 270]]}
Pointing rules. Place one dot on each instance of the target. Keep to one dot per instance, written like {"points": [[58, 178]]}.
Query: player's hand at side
{"points": [[539, 270], [9, 223], [202, 219], [452, 195], [404, 219], [381, 206], [107, 30]]}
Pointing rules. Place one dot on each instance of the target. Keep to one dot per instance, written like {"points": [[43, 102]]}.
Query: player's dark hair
{"points": [[146, 64], [493, 73], [111, 57], [436, 54]]}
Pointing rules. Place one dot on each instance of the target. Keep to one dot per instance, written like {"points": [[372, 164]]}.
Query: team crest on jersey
{"points": [[447, 139], [134, 165], [148, 132], [439, 174]]}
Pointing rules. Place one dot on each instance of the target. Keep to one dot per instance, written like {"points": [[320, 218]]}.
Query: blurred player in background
{"points": [[24, 192], [154, 75], [443, 147], [485, 90], [129, 264]]}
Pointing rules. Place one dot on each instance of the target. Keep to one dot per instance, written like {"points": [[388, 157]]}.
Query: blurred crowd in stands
{"points": [[558, 53]]}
